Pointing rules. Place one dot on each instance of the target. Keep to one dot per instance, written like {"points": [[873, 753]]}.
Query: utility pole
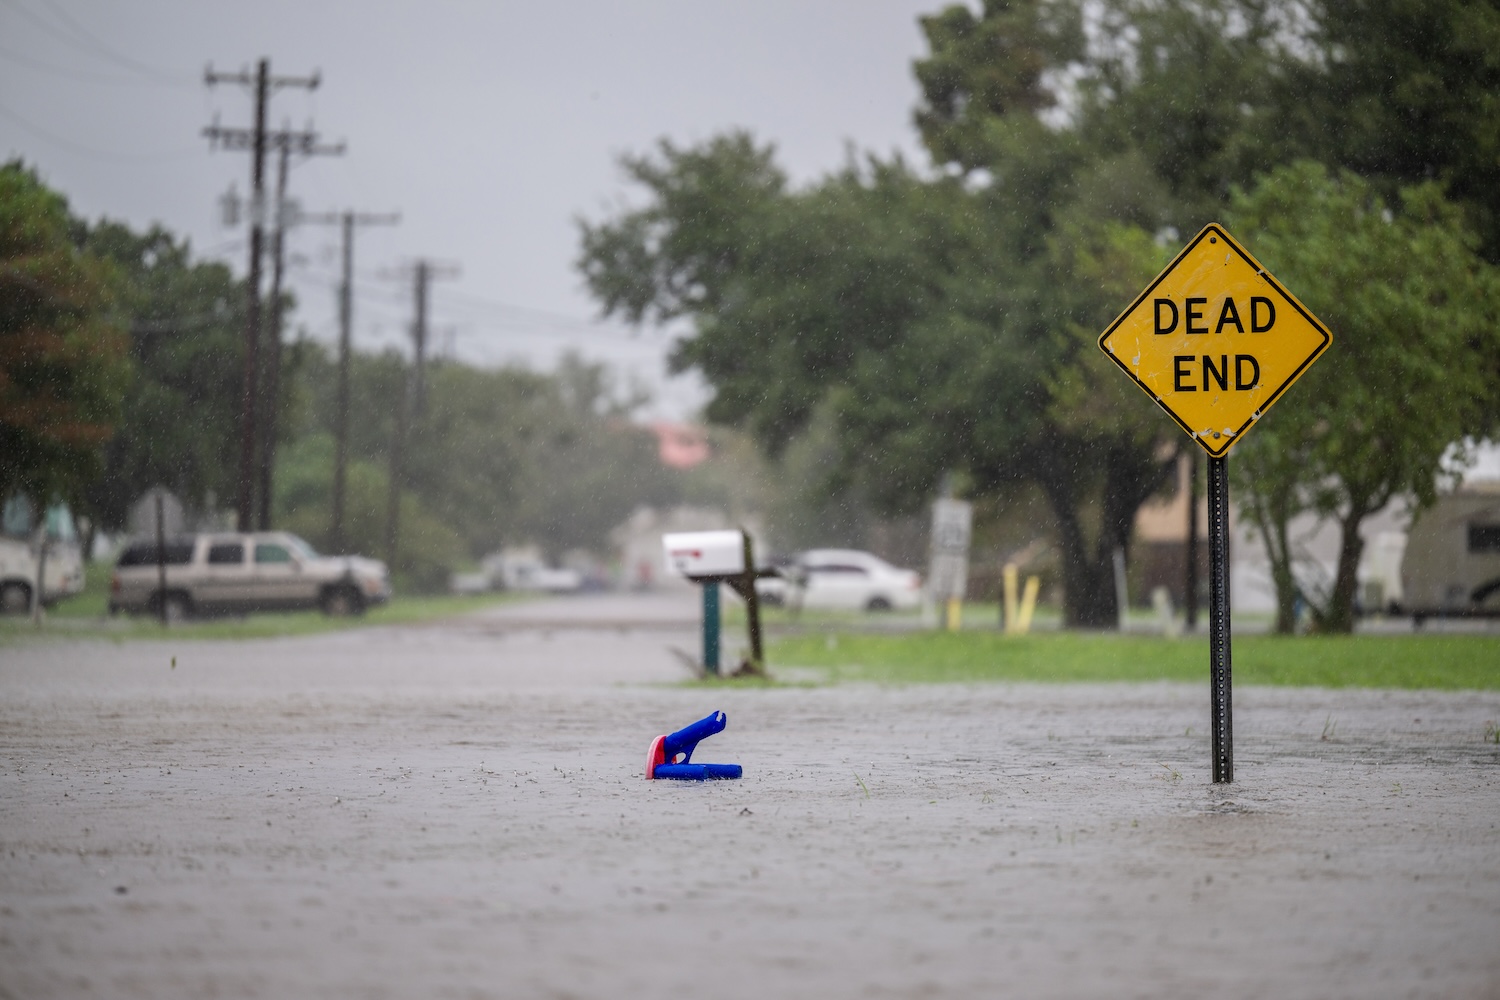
{"points": [[255, 141], [413, 391], [273, 354], [285, 142], [346, 221], [419, 336], [393, 491], [423, 271]]}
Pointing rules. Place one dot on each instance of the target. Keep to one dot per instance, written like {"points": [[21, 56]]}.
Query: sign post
{"points": [[948, 563], [1221, 701], [1215, 340]]}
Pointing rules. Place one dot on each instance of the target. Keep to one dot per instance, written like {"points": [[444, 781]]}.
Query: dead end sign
{"points": [[1215, 340]]}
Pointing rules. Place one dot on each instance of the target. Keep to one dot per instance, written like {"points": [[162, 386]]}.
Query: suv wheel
{"points": [[342, 602], [15, 599], [878, 604]]}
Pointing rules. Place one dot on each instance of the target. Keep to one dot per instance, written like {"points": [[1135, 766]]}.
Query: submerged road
{"points": [[458, 810]]}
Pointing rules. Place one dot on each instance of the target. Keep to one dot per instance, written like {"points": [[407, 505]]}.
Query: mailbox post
{"points": [[709, 558], [711, 623]]}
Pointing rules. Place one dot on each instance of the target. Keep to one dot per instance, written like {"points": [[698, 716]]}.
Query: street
{"points": [[458, 810]]}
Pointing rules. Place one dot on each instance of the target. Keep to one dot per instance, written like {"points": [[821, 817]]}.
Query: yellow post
{"points": [[1011, 574], [1028, 605], [954, 613]]}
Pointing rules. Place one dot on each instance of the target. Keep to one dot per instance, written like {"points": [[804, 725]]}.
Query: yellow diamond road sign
{"points": [[1215, 340]]}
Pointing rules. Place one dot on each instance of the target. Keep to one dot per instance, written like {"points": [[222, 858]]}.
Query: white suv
{"points": [[252, 572]]}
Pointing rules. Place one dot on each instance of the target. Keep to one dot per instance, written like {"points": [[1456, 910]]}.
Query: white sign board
{"points": [[948, 567]]}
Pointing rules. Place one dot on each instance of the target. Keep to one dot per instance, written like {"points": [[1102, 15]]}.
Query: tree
{"points": [[182, 406], [1211, 93], [63, 367], [428, 549], [1206, 96], [1416, 319], [500, 457], [948, 322], [1407, 91], [938, 322]]}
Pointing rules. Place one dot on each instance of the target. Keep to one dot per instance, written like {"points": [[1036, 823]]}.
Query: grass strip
{"points": [[1443, 661], [83, 620]]}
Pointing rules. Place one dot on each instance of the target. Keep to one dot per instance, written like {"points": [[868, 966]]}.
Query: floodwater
{"points": [[459, 811]]}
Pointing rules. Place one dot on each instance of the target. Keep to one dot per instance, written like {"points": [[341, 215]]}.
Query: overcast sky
{"points": [[490, 126]]}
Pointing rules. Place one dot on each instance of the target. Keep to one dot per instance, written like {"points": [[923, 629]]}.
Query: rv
{"points": [[21, 554], [1452, 564]]}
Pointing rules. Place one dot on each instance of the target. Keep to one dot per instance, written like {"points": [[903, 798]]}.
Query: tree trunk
{"points": [[1267, 474], [1088, 587], [1270, 522], [1338, 616], [1089, 599], [1281, 577], [90, 532]]}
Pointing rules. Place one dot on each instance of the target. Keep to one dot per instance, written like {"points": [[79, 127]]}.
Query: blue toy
{"points": [[670, 755]]}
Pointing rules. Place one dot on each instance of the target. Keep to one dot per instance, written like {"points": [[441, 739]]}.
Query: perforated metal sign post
{"points": [[1215, 341]]}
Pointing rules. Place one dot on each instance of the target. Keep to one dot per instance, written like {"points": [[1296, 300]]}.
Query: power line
{"points": [[556, 319], [89, 151], [516, 315], [70, 74], [83, 41]]}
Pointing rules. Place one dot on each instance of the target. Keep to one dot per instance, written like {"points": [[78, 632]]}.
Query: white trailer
{"points": [[22, 540]]}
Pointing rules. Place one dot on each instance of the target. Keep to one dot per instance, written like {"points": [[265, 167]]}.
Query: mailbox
{"points": [[704, 554]]}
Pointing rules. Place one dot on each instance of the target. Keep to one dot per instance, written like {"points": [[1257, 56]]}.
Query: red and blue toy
{"points": [[670, 756]]}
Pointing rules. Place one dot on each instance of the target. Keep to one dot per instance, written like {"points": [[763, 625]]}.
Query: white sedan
{"points": [[843, 579]]}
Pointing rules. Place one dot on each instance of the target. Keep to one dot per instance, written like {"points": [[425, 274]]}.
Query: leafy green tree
{"points": [[1191, 99], [1211, 93], [499, 457], [63, 367], [916, 310], [1416, 319], [1407, 91], [948, 323], [427, 548], [510, 456], [181, 414]]}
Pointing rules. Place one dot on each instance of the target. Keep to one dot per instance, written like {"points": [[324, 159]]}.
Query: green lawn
{"points": [[976, 615], [85, 614], [1383, 661]]}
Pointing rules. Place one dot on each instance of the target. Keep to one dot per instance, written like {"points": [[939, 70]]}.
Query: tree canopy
{"points": [[947, 317], [185, 320], [62, 353], [499, 457], [1416, 320]]}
